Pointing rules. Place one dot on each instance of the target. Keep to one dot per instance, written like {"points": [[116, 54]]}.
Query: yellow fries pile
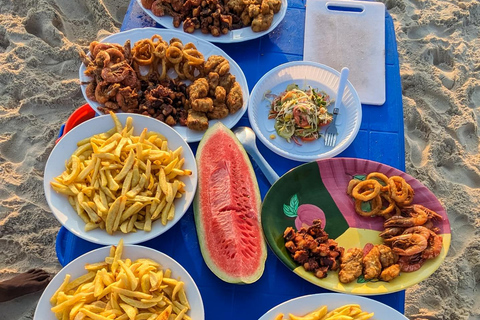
{"points": [[116, 180], [346, 312], [121, 290]]}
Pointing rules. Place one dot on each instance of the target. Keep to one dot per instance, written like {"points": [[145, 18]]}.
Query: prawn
{"points": [[408, 244], [391, 232], [419, 215], [418, 230], [411, 263], [127, 98], [105, 91], [90, 91], [434, 246], [116, 73]]}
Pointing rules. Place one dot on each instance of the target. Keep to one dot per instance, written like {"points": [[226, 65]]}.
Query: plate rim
{"points": [[303, 158], [355, 292], [148, 31], [357, 299], [108, 239], [127, 247], [223, 38]]}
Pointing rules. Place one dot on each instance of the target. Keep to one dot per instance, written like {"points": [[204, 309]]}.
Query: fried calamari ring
{"points": [[179, 70], [351, 184], [375, 204], [193, 56], [143, 52], [381, 178], [391, 205], [174, 54], [408, 201], [366, 190], [190, 70], [160, 50], [398, 188]]}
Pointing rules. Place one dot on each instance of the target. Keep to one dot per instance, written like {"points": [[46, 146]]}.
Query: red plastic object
{"points": [[80, 115]]}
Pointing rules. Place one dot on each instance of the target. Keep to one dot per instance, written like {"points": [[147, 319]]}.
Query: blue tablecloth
{"points": [[381, 138]]}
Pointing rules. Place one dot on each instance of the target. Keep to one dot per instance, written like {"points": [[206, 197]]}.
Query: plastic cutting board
{"points": [[349, 34]]}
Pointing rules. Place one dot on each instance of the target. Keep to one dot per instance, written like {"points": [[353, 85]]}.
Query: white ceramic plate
{"points": [[238, 35], [205, 47], [303, 305], [304, 74], [76, 268], [65, 213]]}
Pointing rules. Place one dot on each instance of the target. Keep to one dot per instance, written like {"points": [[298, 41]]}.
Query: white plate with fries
{"points": [[204, 47], [325, 306], [119, 191], [86, 276]]}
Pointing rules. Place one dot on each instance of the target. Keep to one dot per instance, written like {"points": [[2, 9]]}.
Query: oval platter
{"points": [[318, 189], [205, 47], [233, 36]]}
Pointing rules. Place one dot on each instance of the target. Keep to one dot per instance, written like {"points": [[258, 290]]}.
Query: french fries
{"points": [[121, 289], [346, 312], [119, 181]]}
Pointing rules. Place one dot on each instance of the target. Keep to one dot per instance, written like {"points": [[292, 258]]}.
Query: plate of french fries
{"points": [[332, 306], [121, 282], [120, 176]]}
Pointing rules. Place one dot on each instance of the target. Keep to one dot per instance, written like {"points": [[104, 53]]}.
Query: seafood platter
{"points": [[156, 72], [237, 21], [129, 186]]}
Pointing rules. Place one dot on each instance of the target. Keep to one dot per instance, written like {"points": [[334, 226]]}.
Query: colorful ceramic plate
{"points": [[304, 74], [205, 47], [239, 35], [317, 190], [303, 305], [76, 268], [65, 213]]}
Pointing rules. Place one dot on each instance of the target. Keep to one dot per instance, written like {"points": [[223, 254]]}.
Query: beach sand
{"points": [[438, 46]]}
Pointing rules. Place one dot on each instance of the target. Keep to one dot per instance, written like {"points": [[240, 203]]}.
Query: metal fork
{"points": [[331, 132]]}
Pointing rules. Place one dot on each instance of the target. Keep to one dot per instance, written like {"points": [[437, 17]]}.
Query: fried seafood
{"points": [[390, 273], [352, 265], [137, 80], [312, 248], [372, 267], [216, 17]]}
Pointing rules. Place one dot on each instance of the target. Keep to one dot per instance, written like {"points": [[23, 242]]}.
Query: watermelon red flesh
{"points": [[228, 210]]}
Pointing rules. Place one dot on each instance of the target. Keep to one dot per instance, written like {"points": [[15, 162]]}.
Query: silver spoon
{"points": [[247, 137]]}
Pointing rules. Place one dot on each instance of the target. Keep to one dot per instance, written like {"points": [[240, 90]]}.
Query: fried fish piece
{"points": [[352, 265], [235, 98], [197, 120], [372, 265]]}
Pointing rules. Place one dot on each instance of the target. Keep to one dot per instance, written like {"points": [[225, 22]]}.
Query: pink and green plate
{"points": [[317, 190]]}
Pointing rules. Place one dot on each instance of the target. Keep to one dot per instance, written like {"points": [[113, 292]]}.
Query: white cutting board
{"points": [[337, 37]]}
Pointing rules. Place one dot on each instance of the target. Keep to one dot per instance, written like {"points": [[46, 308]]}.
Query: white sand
{"points": [[439, 50]]}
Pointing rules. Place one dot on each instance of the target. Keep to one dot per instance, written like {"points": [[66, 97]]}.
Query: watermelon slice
{"points": [[227, 208]]}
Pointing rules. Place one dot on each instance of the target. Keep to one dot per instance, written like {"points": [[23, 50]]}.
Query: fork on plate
{"points": [[331, 132]]}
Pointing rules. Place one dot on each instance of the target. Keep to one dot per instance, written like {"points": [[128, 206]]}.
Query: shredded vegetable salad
{"points": [[299, 114]]}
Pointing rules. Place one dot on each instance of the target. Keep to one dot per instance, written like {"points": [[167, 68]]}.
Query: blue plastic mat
{"points": [[381, 138]]}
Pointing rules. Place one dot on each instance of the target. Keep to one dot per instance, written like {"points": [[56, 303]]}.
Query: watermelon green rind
{"points": [[201, 233]]}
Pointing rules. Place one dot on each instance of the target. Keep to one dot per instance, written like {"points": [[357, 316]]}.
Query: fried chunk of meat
{"points": [[235, 98], [352, 265]]}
